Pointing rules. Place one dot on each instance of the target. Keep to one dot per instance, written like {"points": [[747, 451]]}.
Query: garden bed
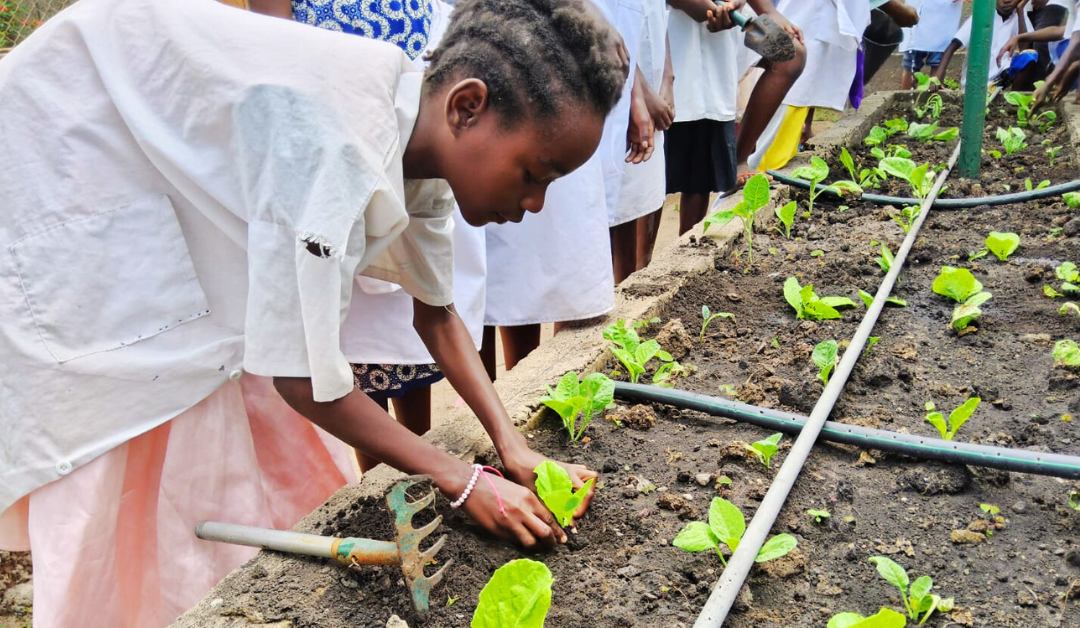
{"points": [[620, 569]]}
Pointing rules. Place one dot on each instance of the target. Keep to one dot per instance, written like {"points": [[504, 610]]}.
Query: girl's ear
{"points": [[465, 103]]}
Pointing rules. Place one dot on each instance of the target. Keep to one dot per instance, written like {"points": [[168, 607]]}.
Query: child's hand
{"points": [[1011, 48], [717, 19], [521, 470], [640, 130], [526, 521], [662, 111], [789, 28]]}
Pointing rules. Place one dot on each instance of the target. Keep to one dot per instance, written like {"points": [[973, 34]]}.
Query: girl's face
{"points": [[499, 174]]}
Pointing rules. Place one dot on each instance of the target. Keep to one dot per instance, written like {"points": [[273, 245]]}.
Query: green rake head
{"points": [[413, 560]]}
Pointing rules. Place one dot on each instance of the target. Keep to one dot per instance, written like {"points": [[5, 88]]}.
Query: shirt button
{"points": [[63, 467], [235, 374]]}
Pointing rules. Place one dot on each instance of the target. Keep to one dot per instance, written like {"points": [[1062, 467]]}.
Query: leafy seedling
{"points": [[809, 305], [989, 509], [1002, 244], [876, 137], [868, 299], [932, 105], [957, 417], [755, 198], [1066, 353], [555, 489], [870, 342], [1022, 102], [1069, 276], [1072, 199], [917, 176], [961, 286], [824, 356], [884, 618], [708, 316], [865, 177], [924, 81], [1044, 121], [1052, 153], [931, 133], [786, 216], [517, 596], [885, 261], [1074, 500], [571, 398], [635, 355], [916, 595], [818, 515], [1012, 139], [817, 172], [1069, 307], [1042, 184], [726, 526], [765, 449]]}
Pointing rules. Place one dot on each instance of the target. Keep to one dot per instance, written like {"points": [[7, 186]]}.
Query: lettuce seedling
{"points": [[868, 299], [916, 595], [570, 398], [1072, 199], [1012, 139], [636, 355], [555, 489], [876, 137], [765, 449], [818, 515], [1050, 292], [707, 316], [809, 305], [1069, 276], [1022, 102], [957, 417], [961, 286], [865, 177], [895, 150], [1053, 153], [896, 125], [870, 342], [1045, 183], [1066, 353], [1044, 121], [886, 259], [726, 526], [930, 132], [884, 618], [1002, 244], [1069, 307], [824, 356], [786, 216], [917, 176], [932, 106], [517, 596], [755, 198], [1074, 500], [817, 172]]}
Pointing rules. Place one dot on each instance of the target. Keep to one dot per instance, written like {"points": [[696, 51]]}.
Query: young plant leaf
{"points": [[824, 356], [893, 573], [1072, 199], [765, 449], [956, 283], [726, 522], [555, 489], [1066, 353], [786, 216], [1002, 244], [779, 545], [884, 618], [697, 536], [517, 596]]}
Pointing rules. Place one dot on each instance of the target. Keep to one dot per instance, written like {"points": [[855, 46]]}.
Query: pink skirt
{"points": [[113, 542]]}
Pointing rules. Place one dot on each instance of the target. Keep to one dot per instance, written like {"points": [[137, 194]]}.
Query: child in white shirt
{"points": [[925, 43], [1007, 22]]}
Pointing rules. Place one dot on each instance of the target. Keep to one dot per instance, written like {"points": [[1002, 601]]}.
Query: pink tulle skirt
{"points": [[113, 542]]}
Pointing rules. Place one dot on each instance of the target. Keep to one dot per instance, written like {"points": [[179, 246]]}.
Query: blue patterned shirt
{"points": [[405, 23]]}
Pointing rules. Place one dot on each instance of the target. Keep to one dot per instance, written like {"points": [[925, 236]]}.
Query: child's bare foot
{"points": [[745, 174]]}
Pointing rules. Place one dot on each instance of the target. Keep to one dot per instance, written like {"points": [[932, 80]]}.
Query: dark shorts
{"points": [[700, 157], [916, 60], [389, 381]]}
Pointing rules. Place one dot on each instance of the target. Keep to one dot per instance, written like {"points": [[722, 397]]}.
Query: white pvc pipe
{"points": [[738, 567]]}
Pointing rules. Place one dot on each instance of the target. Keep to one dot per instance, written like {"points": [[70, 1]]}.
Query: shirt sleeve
{"points": [[421, 260], [964, 34]]}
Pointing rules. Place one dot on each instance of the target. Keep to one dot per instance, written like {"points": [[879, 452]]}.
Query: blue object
{"points": [[1020, 61], [404, 23]]}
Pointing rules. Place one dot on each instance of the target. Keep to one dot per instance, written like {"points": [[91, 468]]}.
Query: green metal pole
{"points": [[978, 67]]}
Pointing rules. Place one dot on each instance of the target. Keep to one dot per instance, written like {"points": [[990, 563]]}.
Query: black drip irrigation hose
{"points": [[945, 203], [1004, 458]]}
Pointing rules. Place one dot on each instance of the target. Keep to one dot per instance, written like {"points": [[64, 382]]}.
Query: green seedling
{"points": [[870, 342], [931, 133], [786, 216], [957, 417], [884, 618], [981, 253], [818, 515], [1074, 500], [1069, 276], [708, 316], [885, 261], [1022, 102], [635, 355], [1066, 353], [996, 154], [906, 217], [1002, 244], [951, 84], [989, 509], [894, 150], [817, 253], [868, 299], [825, 357], [1069, 307], [917, 176], [817, 172], [726, 526], [863, 178], [1050, 292], [1072, 199], [877, 137], [809, 305], [1042, 184], [1053, 153], [765, 449], [916, 595], [924, 81], [1012, 139], [961, 286], [555, 489], [896, 125], [571, 398], [932, 105], [755, 198], [517, 596]]}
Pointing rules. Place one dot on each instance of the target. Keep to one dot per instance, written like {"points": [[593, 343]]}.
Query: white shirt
{"points": [[706, 70], [1004, 30], [189, 197], [938, 20]]}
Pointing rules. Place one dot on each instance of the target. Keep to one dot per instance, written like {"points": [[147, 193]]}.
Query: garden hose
{"points": [[1003, 458], [945, 203]]}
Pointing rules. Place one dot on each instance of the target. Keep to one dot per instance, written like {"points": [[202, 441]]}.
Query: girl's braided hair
{"points": [[534, 55]]}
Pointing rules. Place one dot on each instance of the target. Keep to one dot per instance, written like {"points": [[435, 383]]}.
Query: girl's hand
{"points": [[520, 470], [640, 130], [1011, 48], [717, 19], [661, 111], [789, 28], [526, 520]]}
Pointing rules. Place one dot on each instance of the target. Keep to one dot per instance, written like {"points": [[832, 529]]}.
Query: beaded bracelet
{"points": [[478, 470]]}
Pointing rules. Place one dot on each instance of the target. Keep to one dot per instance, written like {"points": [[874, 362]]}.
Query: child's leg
{"points": [[911, 66], [808, 127], [766, 98], [648, 226], [692, 209], [365, 461], [487, 351], [518, 342], [413, 409], [907, 80], [623, 249]]}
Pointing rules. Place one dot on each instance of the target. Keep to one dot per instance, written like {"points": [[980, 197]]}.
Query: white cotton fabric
{"points": [[706, 70], [1003, 30], [628, 18], [179, 145], [832, 31], [938, 21]]}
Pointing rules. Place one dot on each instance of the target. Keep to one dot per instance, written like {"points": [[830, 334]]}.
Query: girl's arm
{"points": [[276, 8], [901, 13], [449, 342], [1011, 47], [1071, 55], [361, 423], [641, 128], [946, 57]]}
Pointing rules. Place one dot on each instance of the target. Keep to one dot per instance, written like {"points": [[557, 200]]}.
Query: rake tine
{"points": [[434, 579], [414, 563], [421, 503], [425, 530]]}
